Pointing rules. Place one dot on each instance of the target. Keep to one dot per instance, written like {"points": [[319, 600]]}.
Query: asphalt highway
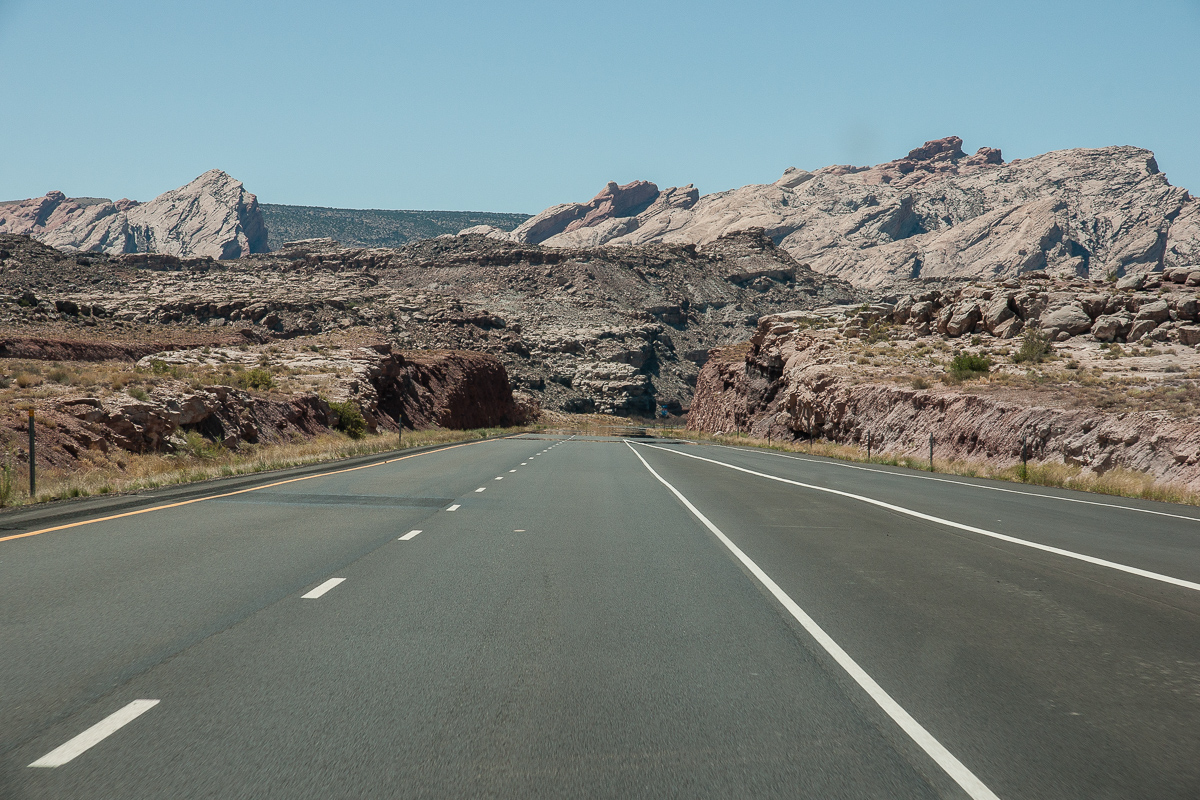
{"points": [[591, 616]]}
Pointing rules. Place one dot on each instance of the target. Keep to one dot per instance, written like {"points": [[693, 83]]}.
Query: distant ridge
{"points": [[372, 227]]}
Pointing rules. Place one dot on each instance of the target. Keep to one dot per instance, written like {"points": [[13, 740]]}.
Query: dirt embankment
{"points": [[787, 383], [184, 392]]}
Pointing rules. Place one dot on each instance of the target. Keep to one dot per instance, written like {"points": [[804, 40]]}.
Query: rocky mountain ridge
{"points": [[937, 213], [213, 216]]}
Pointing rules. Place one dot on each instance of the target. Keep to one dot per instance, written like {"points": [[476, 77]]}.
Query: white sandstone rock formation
{"points": [[937, 213], [211, 216]]}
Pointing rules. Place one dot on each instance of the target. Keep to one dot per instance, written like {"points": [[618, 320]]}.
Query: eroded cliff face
{"points": [[213, 216], [788, 383], [936, 213]]}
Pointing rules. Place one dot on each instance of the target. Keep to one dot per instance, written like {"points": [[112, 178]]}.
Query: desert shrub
{"points": [[160, 367], [1035, 346], [197, 446], [59, 375], [920, 383], [257, 378], [137, 393], [25, 380], [965, 366], [349, 419]]}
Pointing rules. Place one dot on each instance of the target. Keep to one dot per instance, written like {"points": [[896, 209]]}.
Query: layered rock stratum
{"points": [[213, 216], [1118, 390], [937, 213]]}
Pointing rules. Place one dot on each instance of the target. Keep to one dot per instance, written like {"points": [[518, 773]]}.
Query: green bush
{"points": [[1035, 346], [137, 393], [965, 366], [257, 378], [197, 446], [349, 419]]}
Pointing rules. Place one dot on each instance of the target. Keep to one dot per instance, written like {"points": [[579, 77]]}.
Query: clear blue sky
{"points": [[513, 106]]}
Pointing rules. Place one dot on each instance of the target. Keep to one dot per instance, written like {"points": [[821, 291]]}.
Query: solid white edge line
{"points": [[322, 589], [454, 507], [950, 523], [961, 483], [974, 787], [407, 536], [95, 734]]}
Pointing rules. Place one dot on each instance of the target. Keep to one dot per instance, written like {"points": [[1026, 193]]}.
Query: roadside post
{"points": [[1024, 460], [868, 445], [32, 461], [931, 452]]}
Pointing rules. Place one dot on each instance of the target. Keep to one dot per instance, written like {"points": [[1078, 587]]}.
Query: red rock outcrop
{"points": [[421, 389], [782, 384]]}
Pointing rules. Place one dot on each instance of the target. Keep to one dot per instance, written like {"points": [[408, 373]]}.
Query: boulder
{"points": [[1071, 319], [1140, 328], [1157, 311], [1110, 327], [921, 312], [1189, 334], [1184, 308], [1008, 328], [1134, 282], [966, 316], [996, 312]]}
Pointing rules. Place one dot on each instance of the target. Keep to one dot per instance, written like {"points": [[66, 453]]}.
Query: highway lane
{"points": [[574, 629], [1154, 536], [86, 608]]}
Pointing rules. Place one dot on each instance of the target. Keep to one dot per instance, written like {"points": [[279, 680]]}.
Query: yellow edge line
{"points": [[230, 494]]}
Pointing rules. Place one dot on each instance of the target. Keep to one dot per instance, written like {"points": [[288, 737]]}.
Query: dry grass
{"points": [[129, 472], [1116, 482]]}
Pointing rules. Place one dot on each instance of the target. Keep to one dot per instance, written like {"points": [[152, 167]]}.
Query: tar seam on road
{"points": [[322, 589], [951, 524], [95, 734], [231, 494], [964, 483], [966, 779]]}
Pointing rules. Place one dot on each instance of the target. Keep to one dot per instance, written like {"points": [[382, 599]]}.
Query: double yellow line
{"points": [[230, 494]]}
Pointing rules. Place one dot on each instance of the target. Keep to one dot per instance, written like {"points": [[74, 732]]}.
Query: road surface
{"points": [[554, 616]]}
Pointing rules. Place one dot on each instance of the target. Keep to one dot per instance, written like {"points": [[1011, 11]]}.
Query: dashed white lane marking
{"points": [[1155, 576], [481, 489], [322, 589], [524, 463], [408, 536], [454, 507], [974, 787], [512, 470], [95, 734], [519, 530], [500, 477], [966, 483]]}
